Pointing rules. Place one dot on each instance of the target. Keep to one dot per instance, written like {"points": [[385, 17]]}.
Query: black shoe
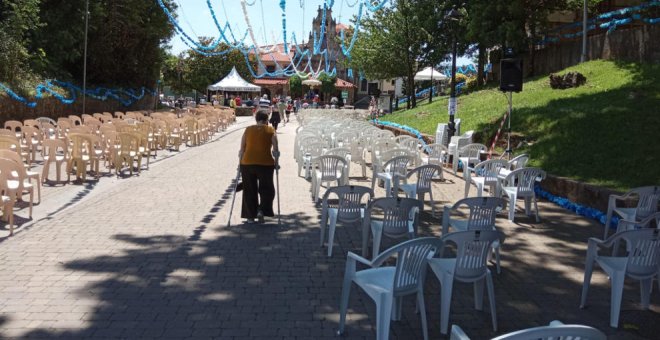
{"points": [[260, 217]]}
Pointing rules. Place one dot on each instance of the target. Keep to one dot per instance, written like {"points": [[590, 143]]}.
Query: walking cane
{"points": [[277, 179], [233, 196]]}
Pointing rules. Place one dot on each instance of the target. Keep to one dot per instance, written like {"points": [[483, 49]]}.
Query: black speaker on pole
{"points": [[511, 75]]}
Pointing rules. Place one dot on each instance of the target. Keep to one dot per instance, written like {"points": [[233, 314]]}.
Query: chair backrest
{"points": [[396, 214], [54, 147], [12, 155], [5, 132], [350, 201], [490, 169], [518, 162], [341, 152], [472, 248], [436, 152], [643, 250], [358, 147], [7, 169], [648, 200], [313, 149], [11, 143], [555, 332], [42, 120], [13, 125], [32, 134], [471, 150], [398, 165], [80, 145], [411, 261], [331, 166], [524, 179], [425, 175], [483, 211]]}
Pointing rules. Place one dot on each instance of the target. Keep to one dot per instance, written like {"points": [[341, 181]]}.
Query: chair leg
{"points": [[383, 316], [616, 280], [467, 188], [587, 281], [497, 259], [528, 204], [343, 303], [608, 220], [491, 300], [479, 294], [331, 236], [446, 286], [645, 292], [536, 208], [512, 206], [377, 235], [422, 313]]}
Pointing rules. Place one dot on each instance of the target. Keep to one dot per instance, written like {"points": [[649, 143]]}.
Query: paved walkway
{"points": [[151, 257]]}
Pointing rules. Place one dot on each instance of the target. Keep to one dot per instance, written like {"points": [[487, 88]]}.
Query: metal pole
{"points": [[508, 151], [452, 96], [431, 95], [583, 57], [84, 89]]}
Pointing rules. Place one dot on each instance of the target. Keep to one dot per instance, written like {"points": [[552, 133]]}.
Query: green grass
{"points": [[606, 132]]}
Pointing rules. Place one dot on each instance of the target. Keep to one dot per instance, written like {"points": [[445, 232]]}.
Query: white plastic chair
{"points": [[518, 162], [395, 167], [358, 151], [468, 155], [484, 174], [556, 330], [520, 184], [435, 154], [457, 142], [647, 204], [470, 266], [388, 285], [481, 216], [309, 152], [642, 263], [55, 151], [423, 186], [350, 208], [330, 169], [397, 218], [346, 154], [645, 223]]}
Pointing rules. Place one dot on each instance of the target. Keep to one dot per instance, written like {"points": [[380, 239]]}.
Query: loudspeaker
{"points": [[511, 75]]}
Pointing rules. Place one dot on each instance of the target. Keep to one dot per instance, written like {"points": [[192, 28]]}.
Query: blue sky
{"points": [[265, 17]]}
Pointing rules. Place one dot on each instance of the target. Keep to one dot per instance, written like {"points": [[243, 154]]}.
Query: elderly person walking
{"points": [[257, 167]]}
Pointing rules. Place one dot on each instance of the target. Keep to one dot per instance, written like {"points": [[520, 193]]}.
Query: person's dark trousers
{"points": [[258, 190]]}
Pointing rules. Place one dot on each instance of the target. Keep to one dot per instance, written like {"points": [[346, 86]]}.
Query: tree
{"points": [[398, 40], [17, 19], [327, 83], [125, 40], [202, 70], [295, 86]]}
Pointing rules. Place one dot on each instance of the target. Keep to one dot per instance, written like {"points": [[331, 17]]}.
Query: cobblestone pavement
{"points": [[151, 256]]}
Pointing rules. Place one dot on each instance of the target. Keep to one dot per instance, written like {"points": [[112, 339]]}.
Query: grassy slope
{"points": [[606, 132]]}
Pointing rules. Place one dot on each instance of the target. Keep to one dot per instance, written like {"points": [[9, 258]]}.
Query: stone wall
{"points": [[50, 107], [578, 192]]}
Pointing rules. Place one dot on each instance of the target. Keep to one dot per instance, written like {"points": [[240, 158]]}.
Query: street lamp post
{"points": [[454, 16], [84, 89]]}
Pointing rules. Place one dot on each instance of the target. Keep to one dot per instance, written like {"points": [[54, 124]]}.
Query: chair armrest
{"points": [[457, 333], [351, 256]]}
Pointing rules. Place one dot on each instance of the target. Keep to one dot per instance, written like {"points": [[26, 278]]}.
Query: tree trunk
{"points": [[411, 83], [480, 65]]}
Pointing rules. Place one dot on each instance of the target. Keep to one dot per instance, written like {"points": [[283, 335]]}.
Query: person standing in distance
{"points": [[257, 167]]}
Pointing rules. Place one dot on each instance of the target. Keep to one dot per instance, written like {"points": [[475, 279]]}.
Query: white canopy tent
{"points": [[430, 74], [233, 82]]}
